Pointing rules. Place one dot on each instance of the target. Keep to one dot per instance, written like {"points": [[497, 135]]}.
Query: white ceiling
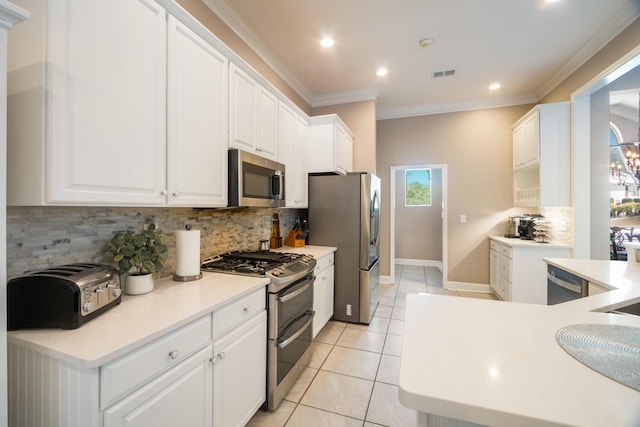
{"points": [[527, 46]]}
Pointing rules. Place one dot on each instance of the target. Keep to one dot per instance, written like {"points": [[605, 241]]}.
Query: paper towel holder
{"points": [[191, 278]]}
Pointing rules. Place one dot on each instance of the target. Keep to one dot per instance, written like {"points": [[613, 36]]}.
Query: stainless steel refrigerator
{"points": [[344, 211]]}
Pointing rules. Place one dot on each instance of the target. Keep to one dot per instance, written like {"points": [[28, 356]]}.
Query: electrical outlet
{"points": [[348, 309]]}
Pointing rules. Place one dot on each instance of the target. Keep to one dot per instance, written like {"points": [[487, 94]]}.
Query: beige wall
{"points": [[360, 117], [626, 41], [477, 147], [418, 229]]}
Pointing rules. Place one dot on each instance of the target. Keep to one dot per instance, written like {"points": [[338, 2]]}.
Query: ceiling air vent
{"points": [[444, 73]]}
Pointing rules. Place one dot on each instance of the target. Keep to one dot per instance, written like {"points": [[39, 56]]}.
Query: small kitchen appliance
{"points": [[289, 310], [526, 226], [61, 297]]}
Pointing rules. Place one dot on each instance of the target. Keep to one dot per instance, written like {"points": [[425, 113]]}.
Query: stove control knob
{"points": [[277, 271]]}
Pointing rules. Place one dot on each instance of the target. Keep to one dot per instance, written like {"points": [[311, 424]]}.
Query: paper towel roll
{"points": [[187, 253]]}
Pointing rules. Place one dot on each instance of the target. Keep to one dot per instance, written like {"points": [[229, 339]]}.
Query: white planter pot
{"points": [[138, 284]]}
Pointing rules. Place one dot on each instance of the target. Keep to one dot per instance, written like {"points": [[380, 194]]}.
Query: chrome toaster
{"points": [[61, 297]]}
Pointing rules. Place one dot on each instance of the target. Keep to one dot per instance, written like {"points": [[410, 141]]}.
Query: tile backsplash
{"points": [[39, 237]]}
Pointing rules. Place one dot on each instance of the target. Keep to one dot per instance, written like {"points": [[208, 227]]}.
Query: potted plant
{"points": [[138, 255]]}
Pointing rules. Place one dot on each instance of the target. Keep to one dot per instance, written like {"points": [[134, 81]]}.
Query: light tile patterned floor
{"points": [[352, 378]]}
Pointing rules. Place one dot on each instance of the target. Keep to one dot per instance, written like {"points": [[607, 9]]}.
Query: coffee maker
{"points": [[521, 226], [513, 227]]}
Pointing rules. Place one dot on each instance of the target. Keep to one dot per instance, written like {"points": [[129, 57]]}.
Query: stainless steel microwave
{"points": [[255, 181]]}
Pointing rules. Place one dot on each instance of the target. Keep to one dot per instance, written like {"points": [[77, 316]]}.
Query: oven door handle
{"points": [[287, 297], [564, 284], [293, 337]]}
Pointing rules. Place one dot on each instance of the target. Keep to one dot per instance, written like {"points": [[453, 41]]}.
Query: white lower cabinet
{"points": [[517, 271], [174, 380], [323, 292], [179, 397], [494, 270], [239, 373]]}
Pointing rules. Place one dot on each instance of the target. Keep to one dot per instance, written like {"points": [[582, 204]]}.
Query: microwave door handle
{"points": [[293, 337], [277, 184], [294, 294]]}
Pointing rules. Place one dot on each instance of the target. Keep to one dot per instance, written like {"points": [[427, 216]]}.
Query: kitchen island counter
{"points": [[138, 319], [501, 365]]}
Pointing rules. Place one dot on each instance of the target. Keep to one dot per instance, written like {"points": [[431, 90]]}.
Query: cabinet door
{"points": [[301, 171], [293, 132], [344, 151], [106, 108], [267, 132], [494, 271], [239, 373], [518, 147], [286, 138], [323, 299], [179, 397], [531, 146], [242, 110], [197, 120]]}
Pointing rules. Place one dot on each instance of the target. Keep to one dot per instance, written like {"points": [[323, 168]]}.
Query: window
{"points": [[417, 184]]}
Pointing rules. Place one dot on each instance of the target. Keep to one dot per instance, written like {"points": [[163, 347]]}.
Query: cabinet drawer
{"points": [[238, 312], [494, 246], [121, 376], [506, 251], [323, 263], [505, 268]]}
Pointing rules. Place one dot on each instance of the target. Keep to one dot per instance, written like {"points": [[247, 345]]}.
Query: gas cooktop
{"points": [[279, 266]]}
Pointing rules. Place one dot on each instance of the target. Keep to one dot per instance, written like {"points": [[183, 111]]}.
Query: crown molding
{"points": [[344, 97], [478, 104], [10, 14], [621, 20], [238, 25]]}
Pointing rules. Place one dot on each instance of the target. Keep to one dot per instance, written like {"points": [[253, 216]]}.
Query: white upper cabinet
{"points": [[541, 141], [87, 114], [330, 145], [197, 120], [293, 132], [253, 115]]}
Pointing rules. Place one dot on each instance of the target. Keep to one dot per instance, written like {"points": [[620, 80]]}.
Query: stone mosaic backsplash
{"points": [[39, 237]]}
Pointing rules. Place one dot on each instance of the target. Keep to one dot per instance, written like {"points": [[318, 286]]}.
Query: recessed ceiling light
{"points": [[382, 72], [327, 42], [494, 86], [551, 1]]}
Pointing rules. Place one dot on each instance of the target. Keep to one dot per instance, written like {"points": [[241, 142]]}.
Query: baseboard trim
{"points": [[386, 280], [469, 287], [420, 262]]}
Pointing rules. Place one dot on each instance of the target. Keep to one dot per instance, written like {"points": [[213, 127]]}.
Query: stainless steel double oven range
{"points": [[289, 311]]}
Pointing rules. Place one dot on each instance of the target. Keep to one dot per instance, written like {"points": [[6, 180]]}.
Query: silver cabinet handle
{"points": [[220, 355], [173, 354], [247, 310], [164, 192], [176, 194]]}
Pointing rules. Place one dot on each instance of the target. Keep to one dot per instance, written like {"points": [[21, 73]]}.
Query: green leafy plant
{"points": [[146, 251]]}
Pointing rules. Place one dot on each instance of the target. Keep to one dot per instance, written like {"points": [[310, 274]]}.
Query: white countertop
{"points": [[138, 319], [498, 363], [513, 242]]}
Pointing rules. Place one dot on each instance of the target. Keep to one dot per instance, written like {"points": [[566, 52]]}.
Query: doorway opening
{"points": [[421, 244]]}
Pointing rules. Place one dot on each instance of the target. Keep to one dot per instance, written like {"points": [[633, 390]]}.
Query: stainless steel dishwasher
{"points": [[563, 286]]}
